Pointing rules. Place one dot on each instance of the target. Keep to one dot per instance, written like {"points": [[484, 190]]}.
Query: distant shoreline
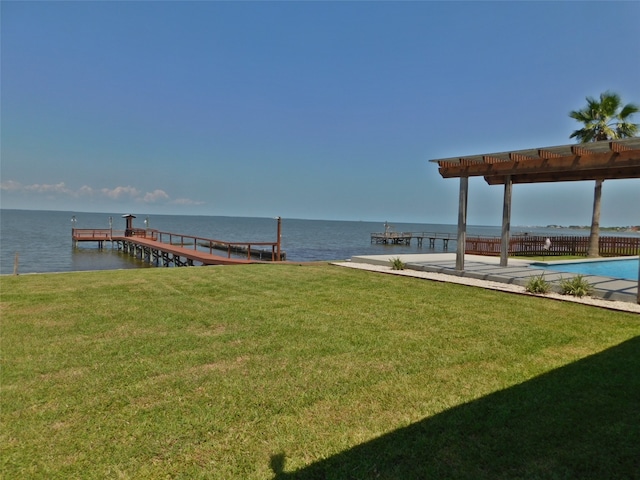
{"points": [[622, 229], [628, 229]]}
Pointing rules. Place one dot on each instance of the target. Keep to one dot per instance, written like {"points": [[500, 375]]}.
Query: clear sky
{"points": [[319, 110]]}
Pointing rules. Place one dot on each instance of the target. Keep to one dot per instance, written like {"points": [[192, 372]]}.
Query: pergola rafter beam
{"points": [[618, 147], [619, 159], [518, 157], [580, 175], [490, 159], [547, 154], [585, 167], [578, 150]]}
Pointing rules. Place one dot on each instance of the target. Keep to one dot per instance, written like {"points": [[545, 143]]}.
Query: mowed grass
{"points": [[314, 371]]}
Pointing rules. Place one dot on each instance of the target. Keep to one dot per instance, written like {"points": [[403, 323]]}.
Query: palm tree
{"points": [[606, 119]]}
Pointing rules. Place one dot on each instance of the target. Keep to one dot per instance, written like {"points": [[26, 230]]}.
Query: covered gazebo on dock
{"points": [[604, 160]]}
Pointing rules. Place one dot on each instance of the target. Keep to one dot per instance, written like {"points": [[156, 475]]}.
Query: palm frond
{"points": [[604, 118], [625, 129], [609, 104], [628, 110]]}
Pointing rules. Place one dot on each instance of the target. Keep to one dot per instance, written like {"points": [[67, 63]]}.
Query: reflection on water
{"points": [[84, 258]]}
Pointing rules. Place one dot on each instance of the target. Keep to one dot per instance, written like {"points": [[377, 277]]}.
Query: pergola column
{"points": [[462, 222], [506, 222]]}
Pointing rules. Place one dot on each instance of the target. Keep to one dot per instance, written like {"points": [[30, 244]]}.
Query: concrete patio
{"points": [[518, 272]]}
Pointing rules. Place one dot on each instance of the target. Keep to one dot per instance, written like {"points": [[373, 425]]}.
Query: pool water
{"points": [[626, 268]]}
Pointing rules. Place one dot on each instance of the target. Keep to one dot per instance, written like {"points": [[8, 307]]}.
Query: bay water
{"points": [[41, 240]]}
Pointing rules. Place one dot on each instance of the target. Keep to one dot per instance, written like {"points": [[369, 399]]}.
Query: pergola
{"points": [[604, 160]]}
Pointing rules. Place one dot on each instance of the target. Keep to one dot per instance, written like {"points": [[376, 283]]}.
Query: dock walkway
{"points": [[165, 254], [170, 249]]}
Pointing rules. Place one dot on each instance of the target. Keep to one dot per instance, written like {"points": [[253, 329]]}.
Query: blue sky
{"points": [[320, 110]]}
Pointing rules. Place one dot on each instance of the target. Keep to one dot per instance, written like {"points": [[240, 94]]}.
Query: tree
{"points": [[604, 119]]}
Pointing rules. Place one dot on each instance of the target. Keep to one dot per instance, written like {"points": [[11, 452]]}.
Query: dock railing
{"points": [[96, 234], [255, 249]]}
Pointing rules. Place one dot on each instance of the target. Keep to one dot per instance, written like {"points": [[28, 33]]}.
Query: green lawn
{"points": [[288, 371]]}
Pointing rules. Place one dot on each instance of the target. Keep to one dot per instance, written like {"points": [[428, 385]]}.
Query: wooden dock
{"points": [[405, 238], [171, 249]]}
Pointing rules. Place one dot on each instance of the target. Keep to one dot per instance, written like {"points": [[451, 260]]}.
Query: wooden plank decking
{"points": [[167, 249], [154, 251]]}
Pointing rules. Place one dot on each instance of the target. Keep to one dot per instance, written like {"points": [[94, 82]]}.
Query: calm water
{"points": [[606, 268], [42, 239]]}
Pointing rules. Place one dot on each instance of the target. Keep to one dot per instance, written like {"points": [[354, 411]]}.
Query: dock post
{"points": [[73, 231], [279, 239]]}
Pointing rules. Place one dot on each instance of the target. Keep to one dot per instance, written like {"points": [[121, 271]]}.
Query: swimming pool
{"points": [[620, 268]]}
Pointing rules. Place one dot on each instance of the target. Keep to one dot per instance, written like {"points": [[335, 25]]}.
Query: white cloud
{"points": [[155, 196], [86, 190], [11, 186], [48, 188], [119, 193]]}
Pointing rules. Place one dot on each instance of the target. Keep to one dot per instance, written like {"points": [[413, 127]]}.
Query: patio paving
{"points": [[518, 272]]}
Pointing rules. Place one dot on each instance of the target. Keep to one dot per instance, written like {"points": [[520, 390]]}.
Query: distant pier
{"points": [[405, 238], [389, 237]]}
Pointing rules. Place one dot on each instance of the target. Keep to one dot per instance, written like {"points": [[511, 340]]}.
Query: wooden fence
{"points": [[530, 245]]}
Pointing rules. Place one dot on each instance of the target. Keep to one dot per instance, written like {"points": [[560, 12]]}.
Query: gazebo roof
{"points": [[609, 159]]}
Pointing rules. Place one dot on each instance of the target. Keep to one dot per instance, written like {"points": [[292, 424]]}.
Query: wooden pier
{"points": [[173, 249], [405, 238], [389, 237]]}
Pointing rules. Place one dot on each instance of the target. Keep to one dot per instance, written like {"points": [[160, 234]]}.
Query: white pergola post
{"points": [[506, 222], [462, 222]]}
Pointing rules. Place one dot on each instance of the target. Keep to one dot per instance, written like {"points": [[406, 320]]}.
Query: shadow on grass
{"points": [[579, 421]]}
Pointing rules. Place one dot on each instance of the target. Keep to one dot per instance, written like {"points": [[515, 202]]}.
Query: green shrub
{"points": [[397, 264], [538, 285], [576, 286]]}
